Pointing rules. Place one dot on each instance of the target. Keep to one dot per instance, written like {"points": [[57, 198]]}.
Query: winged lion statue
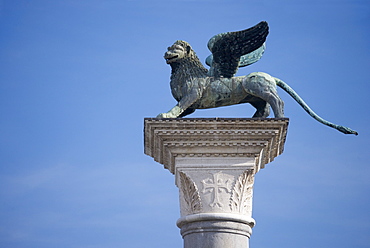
{"points": [[195, 87]]}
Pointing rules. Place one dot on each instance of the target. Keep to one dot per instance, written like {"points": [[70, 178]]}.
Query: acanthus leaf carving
{"points": [[191, 194], [242, 193]]}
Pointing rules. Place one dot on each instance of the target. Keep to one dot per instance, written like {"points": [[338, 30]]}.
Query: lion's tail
{"points": [[304, 105]]}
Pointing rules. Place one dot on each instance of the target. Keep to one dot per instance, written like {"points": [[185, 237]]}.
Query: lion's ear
{"points": [[188, 49]]}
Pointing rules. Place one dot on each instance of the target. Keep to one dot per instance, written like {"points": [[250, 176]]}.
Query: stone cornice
{"points": [[165, 139]]}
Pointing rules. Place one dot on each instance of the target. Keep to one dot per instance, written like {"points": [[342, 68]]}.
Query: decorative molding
{"points": [[242, 193], [200, 154], [167, 138], [207, 143], [213, 132], [191, 194]]}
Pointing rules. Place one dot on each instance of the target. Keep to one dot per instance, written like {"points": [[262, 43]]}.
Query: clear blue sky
{"points": [[78, 77]]}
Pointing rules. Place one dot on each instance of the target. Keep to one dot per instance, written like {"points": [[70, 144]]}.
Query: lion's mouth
{"points": [[169, 58]]}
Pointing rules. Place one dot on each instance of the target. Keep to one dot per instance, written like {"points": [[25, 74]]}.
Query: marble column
{"points": [[214, 162]]}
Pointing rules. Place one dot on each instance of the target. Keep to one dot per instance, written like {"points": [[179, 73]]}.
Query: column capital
{"points": [[214, 162]]}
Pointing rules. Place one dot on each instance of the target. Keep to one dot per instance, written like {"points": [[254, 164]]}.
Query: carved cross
{"points": [[215, 185]]}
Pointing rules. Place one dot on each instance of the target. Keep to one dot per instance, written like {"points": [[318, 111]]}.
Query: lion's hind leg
{"points": [[263, 86], [262, 108]]}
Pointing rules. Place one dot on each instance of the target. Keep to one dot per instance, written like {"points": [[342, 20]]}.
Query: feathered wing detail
{"points": [[245, 60], [228, 48]]}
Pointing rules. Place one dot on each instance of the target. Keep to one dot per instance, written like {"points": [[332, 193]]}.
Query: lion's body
{"points": [[194, 89], [222, 92]]}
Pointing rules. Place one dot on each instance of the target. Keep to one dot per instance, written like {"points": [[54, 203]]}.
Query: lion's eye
{"points": [[178, 47]]}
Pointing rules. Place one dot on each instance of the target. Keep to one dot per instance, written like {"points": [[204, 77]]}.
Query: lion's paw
{"points": [[162, 115]]}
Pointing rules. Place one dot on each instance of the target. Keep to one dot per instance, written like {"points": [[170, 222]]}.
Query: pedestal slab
{"points": [[214, 162]]}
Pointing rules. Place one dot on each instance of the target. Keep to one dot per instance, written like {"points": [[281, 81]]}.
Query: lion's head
{"points": [[179, 50]]}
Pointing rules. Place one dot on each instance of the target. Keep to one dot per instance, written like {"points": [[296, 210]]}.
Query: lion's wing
{"points": [[246, 59], [228, 48]]}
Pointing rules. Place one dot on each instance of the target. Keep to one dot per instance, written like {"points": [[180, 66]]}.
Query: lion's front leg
{"points": [[173, 113], [183, 107]]}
